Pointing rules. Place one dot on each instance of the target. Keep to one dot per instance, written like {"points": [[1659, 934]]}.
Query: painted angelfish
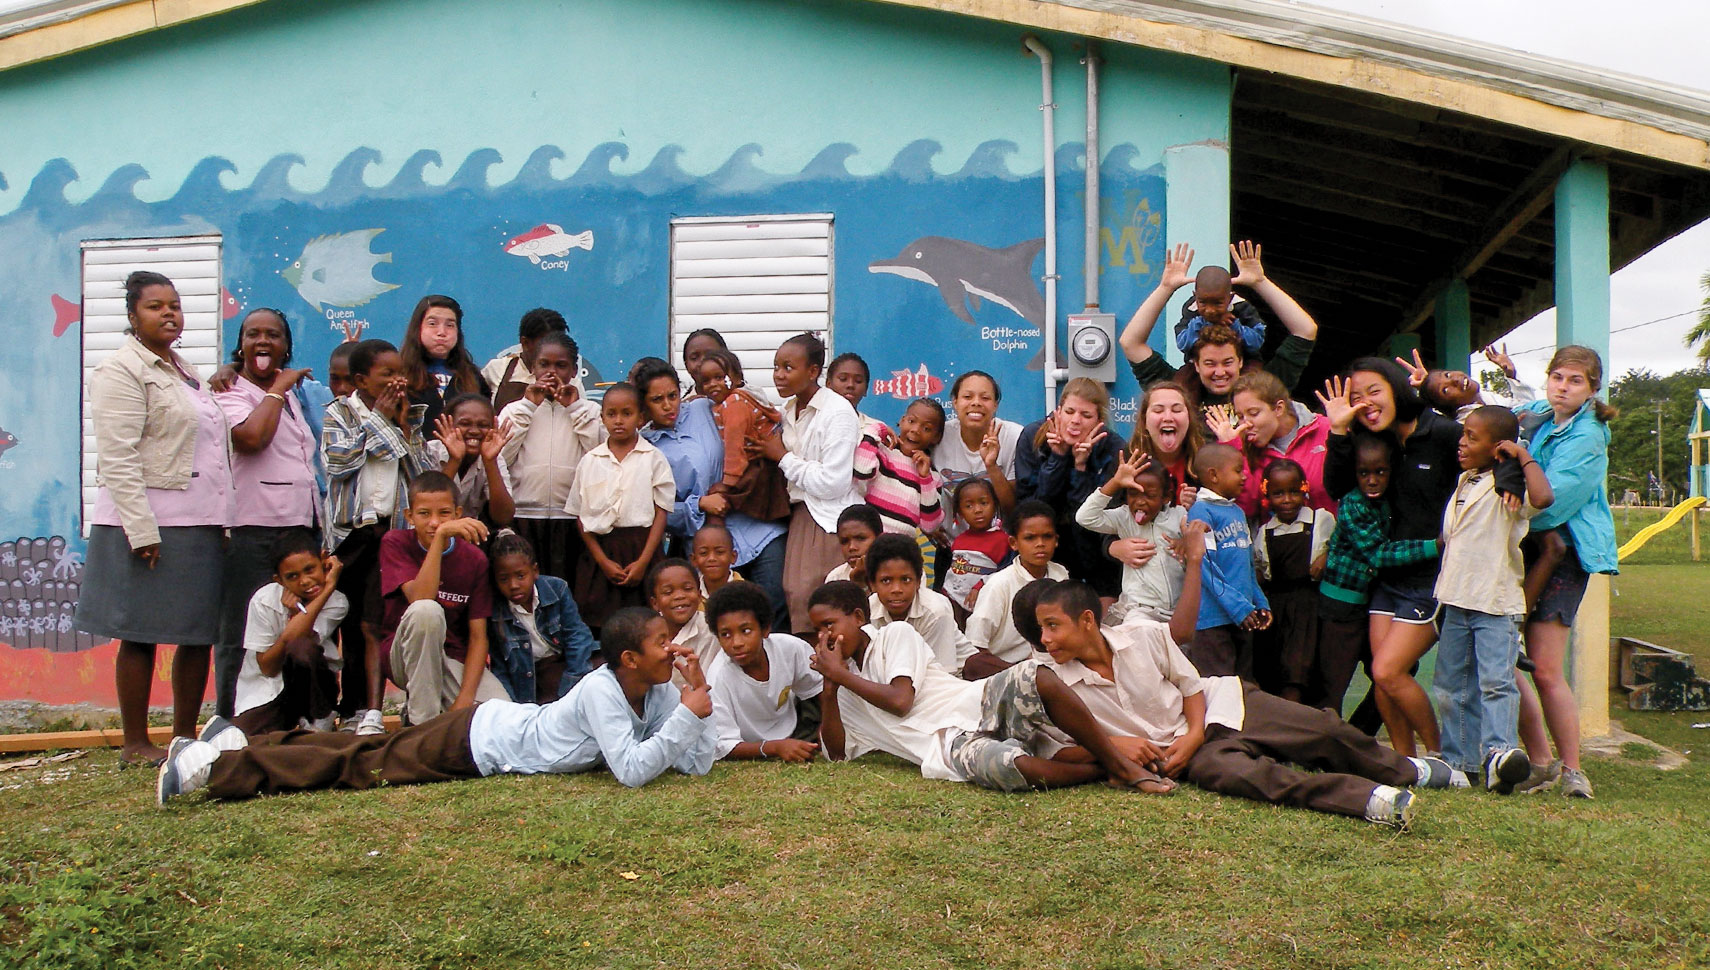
{"points": [[338, 270]]}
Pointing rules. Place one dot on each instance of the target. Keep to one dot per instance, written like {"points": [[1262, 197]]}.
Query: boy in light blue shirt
{"points": [[1233, 605], [626, 716]]}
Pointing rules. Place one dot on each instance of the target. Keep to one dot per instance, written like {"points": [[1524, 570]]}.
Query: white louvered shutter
{"points": [[192, 263], [757, 280]]}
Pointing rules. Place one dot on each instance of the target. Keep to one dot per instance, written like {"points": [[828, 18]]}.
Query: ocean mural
{"points": [[933, 273]]}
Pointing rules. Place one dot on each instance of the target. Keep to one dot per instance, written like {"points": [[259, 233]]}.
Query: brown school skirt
{"points": [[598, 597], [809, 553]]}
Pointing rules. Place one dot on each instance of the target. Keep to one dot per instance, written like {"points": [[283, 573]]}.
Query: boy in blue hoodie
{"points": [[1233, 605]]}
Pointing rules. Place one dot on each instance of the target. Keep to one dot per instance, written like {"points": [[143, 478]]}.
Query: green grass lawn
{"points": [[866, 865]]}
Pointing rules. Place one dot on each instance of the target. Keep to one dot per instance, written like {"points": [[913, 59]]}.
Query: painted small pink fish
{"points": [[904, 385], [65, 313], [548, 239]]}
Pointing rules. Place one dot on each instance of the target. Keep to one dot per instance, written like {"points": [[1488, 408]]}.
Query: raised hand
{"points": [[1187, 495], [445, 429], [493, 442], [1220, 419], [1083, 449], [287, 379], [1511, 449], [688, 663], [1054, 439], [568, 393], [334, 567], [1416, 369], [990, 447], [1178, 265], [698, 700], [1337, 407], [1249, 271], [828, 656], [467, 529], [922, 463], [544, 388], [1500, 358], [1193, 542]]}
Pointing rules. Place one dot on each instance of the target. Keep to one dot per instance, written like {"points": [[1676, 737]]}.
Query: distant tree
{"points": [[1698, 338], [1633, 442]]}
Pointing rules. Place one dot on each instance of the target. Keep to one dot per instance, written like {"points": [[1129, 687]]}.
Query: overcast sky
{"points": [[1660, 39]]}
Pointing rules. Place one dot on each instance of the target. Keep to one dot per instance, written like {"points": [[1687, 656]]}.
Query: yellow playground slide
{"points": [[1658, 527]]}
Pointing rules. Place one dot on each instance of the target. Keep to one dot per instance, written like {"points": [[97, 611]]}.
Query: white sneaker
{"points": [[1391, 806], [186, 768], [372, 723], [223, 734], [1506, 768], [1459, 779], [327, 723]]}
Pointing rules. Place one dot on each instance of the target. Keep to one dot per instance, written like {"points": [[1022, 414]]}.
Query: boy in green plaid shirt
{"points": [[1359, 547]]}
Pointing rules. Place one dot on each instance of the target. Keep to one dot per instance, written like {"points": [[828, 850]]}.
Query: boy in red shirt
{"points": [[438, 595]]}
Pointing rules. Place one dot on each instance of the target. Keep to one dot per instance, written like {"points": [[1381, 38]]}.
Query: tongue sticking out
{"points": [[263, 362]]}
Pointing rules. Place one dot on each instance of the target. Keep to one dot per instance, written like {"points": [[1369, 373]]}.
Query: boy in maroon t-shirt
{"points": [[438, 596]]}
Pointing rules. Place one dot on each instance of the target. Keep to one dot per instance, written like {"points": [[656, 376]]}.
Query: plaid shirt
{"points": [[347, 442], [1361, 546]]}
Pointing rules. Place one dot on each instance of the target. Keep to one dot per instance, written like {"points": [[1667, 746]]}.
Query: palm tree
{"points": [[1699, 336]]}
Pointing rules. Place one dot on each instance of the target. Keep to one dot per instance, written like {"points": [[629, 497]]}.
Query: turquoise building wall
{"points": [[455, 126]]}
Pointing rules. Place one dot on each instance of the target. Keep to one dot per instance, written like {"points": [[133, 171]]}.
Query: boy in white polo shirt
{"points": [[760, 680], [900, 595], [1483, 604], [991, 628]]}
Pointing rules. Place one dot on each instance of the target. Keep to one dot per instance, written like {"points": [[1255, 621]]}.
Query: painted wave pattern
{"points": [[202, 188]]}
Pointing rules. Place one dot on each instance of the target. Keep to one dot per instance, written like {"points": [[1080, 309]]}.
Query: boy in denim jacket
{"points": [[540, 646]]}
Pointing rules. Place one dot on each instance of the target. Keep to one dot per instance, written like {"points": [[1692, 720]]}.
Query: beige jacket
{"points": [[145, 433]]}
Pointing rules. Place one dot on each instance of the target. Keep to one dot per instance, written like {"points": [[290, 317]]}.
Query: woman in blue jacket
{"points": [[1568, 434]]}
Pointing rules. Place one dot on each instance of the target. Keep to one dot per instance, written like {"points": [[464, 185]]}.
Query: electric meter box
{"points": [[1092, 346]]}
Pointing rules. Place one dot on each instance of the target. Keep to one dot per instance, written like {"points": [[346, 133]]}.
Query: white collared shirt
{"points": [[944, 704], [612, 494], [1322, 524], [1151, 678], [991, 626], [819, 460], [932, 618]]}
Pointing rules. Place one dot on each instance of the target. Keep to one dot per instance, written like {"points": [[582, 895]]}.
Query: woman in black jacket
{"points": [[1376, 398]]}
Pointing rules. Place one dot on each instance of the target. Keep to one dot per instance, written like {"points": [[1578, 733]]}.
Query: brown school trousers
{"points": [[1257, 761], [309, 691], [306, 760]]}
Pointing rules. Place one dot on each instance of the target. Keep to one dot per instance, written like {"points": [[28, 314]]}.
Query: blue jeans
{"points": [[1475, 685], [767, 570]]}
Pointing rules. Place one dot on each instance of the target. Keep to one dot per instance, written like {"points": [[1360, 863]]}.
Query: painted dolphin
{"points": [[966, 272], [548, 240]]}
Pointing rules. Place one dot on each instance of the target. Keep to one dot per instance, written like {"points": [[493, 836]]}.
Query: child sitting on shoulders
{"points": [[1480, 587], [1214, 301], [469, 449], [992, 626], [288, 677], [760, 681], [713, 551], [753, 485], [900, 596], [1233, 605], [624, 716], [622, 495], [857, 527], [884, 693], [438, 596], [1148, 513], [674, 592], [541, 647], [979, 550], [895, 474], [1360, 546], [1289, 554]]}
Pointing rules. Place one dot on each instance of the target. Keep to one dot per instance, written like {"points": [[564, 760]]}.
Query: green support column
{"points": [[1196, 212], [1401, 345], [1454, 327], [1582, 317], [1582, 257]]}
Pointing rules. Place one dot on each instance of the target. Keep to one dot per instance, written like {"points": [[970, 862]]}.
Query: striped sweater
{"points": [[904, 499]]}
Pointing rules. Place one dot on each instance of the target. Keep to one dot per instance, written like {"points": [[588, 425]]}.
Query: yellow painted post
{"points": [[1695, 533], [1589, 654]]}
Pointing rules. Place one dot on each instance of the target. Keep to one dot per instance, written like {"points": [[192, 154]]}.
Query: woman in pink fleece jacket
{"points": [[1266, 425]]}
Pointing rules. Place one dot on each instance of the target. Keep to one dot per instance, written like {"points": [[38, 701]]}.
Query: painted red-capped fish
{"points": [[909, 384], [547, 239], [229, 306]]}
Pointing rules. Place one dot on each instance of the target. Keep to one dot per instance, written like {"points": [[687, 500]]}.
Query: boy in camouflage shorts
{"points": [[883, 692]]}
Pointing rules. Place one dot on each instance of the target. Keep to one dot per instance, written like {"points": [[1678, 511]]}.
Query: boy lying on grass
{"points": [[1220, 733], [625, 716], [884, 693]]}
